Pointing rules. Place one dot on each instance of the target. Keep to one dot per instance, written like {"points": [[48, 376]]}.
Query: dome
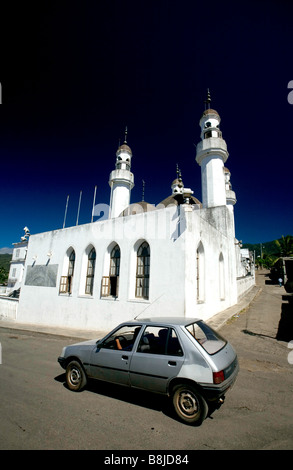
{"points": [[210, 111], [124, 148], [178, 199], [178, 182], [209, 114], [137, 208]]}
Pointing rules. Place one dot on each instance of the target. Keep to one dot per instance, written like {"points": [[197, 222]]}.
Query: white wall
{"points": [[173, 234], [244, 284], [8, 308], [39, 304], [213, 231]]}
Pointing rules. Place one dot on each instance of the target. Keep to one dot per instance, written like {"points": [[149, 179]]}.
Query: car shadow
{"points": [[137, 397], [130, 395]]}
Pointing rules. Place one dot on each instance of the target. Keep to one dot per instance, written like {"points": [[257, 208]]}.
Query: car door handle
{"points": [[125, 358], [172, 363]]}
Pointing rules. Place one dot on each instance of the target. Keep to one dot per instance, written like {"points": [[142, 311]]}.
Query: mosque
{"points": [[178, 258]]}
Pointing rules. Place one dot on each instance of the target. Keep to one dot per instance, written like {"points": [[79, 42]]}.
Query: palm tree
{"points": [[285, 246]]}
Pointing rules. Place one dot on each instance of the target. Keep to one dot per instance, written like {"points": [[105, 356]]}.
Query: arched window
{"points": [[110, 283], [114, 270], [90, 272], [143, 271], [66, 281]]}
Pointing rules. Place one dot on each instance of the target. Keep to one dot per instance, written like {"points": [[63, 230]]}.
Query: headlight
{"points": [[63, 352]]}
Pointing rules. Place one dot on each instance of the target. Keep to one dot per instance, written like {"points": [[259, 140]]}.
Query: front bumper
{"points": [[62, 362]]}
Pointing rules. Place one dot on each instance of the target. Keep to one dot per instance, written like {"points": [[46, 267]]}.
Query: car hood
{"points": [[90, 342], [81, 349]]}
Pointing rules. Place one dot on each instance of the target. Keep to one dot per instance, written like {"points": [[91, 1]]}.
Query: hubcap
{"points": [[188, 403], [74, 376]]}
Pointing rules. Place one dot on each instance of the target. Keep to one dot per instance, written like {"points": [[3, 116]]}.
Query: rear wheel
{"points": [[189, 404], [75, 376]]}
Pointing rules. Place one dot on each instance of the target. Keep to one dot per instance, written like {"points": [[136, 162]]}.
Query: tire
{"points": [[189, 404], [75, 376]]}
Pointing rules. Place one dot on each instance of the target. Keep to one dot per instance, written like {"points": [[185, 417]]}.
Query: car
{"points": [[182, 358]]}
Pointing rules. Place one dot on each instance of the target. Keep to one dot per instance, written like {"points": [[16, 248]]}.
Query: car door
{"points": [[111, 364], [158, 358]]}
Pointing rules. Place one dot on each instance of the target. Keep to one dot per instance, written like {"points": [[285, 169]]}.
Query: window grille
{"points": [[90, 272], [143, 271]]}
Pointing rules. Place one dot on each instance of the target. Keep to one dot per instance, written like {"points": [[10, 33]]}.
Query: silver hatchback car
{"points": [[179, 357]]}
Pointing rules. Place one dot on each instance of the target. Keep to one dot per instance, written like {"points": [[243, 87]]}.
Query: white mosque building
{"points": [[177, 258]]}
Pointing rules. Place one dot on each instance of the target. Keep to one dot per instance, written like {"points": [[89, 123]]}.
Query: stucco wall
{"points": [[213, 231], [8, 308], [244, 284], [174, 236], [44, 304]]}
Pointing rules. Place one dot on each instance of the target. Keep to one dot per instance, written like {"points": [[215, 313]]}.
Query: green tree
{"points": [[3, 276], [285, 246]]}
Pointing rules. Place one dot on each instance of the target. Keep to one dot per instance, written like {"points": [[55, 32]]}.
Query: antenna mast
{"points": [[208, 100], [94, 201], [143, 188], [78, 207], [65, 211]]}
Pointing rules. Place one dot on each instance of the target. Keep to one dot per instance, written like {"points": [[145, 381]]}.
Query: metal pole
{"points": [[94, 201], [65, 211], [78, 207]]}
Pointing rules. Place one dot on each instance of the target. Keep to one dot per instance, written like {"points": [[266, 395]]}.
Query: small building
{"points": [[17, 265]]}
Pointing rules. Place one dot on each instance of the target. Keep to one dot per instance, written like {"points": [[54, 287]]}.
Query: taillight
{"points": [[218, 377]]}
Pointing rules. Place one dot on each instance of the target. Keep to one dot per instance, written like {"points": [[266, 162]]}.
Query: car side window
{"points": [[122, 339], [174, 346], [160, 340]]}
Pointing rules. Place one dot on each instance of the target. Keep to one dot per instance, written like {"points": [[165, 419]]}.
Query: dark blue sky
{"points": [[74, 74]]}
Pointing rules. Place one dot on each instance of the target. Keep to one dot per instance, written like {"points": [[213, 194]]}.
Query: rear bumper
{"points": [[213, 392]]}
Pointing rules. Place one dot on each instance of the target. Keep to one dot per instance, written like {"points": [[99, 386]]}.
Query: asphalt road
{"points": [[39, 412]]}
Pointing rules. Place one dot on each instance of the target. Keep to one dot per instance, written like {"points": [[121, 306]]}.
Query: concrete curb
{"points": [[52, 330]]}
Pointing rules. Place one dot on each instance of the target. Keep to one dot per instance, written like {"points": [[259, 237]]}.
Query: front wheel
{"points": [[189, 404], [75, 376]]}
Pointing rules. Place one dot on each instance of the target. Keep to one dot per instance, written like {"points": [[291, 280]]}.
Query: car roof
{"points": [[167, 320]]}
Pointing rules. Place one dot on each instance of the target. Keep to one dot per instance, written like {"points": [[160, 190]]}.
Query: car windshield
{"points": [[211, 341]]}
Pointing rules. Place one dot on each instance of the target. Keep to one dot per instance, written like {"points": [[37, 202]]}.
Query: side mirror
{"points": [[99, 343]]}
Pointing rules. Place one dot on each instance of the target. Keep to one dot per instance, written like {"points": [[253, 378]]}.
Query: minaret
{"points": [[211, 154], [177, 187], [121, 180], [230, 194]]}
